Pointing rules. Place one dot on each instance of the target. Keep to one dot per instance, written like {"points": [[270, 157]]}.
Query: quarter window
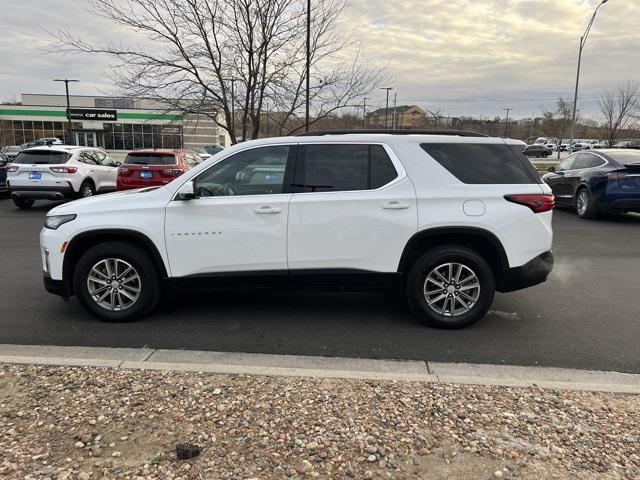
{"points": [[259, 171], [339, 167], [484, 163]]}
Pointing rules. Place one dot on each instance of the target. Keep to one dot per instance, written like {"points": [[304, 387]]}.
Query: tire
{"points": [[119, 306], [545, 155], [585, 205], [86, 190], [437, 258], [22, 203]]}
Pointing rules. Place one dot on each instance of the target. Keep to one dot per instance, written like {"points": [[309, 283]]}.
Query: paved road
{"points": [[586, 316]]}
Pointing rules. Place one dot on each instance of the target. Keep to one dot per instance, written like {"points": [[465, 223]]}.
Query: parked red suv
{"points": [[151, 167]]}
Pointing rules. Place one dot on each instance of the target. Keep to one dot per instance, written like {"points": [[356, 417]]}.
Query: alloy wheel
{"points": [[87, 191], [114, 284], [452, 289], [583, 202]]}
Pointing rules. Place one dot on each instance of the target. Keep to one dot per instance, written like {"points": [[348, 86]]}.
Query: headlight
{"points": [[54, 221]]}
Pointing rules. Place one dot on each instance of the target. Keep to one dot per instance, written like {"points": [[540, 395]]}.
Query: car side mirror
{"points": [[551, 169], [187, 191], [118, 164]]}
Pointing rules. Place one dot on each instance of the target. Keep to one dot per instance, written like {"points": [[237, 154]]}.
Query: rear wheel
{"points": [[117, 282], [86, 190], [585, 205], [22, 202], [450, 287]]}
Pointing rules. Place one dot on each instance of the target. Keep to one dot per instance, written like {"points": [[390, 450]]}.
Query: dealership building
{"points": [[112, 123]]}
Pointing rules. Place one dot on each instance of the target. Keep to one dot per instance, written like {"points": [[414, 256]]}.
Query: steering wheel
{"points": [[228, 189], [208, 192]]}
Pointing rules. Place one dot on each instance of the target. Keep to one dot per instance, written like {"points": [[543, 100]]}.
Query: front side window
{"points": [[583, 161], [566, 164], [259, 171], [338, 167]]}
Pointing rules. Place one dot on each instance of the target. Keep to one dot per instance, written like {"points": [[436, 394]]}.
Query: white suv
{"points": [[446, 219], [60, 171]]}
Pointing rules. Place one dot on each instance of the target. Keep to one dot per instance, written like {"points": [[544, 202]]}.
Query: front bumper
{"points": [[531, 273], [41, 192], [57, 287]]}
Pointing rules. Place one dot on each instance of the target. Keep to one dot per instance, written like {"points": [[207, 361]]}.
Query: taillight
{"points": [[122, 170], [537, 203], [12, 168], [63, 169], [176, 172]]}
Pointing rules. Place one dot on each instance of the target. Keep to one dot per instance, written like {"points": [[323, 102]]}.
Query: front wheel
{"points": [[450, 287], [117, 282], [22, 202]]}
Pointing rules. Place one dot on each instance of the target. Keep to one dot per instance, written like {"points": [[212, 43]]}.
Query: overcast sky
{"points": [[471, 57]]}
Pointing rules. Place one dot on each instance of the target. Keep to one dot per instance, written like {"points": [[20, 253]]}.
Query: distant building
{"points": [[111, 123], [403, 116]]}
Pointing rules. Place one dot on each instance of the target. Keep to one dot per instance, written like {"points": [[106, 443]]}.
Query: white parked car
{"points": [[447, 219], [57, 172]]}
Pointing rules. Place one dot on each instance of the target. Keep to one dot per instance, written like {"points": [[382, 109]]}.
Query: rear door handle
{"points": [[395, 205], [268, 209]]}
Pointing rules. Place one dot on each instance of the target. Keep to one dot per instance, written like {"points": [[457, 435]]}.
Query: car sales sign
{"points": [[90, 114]]}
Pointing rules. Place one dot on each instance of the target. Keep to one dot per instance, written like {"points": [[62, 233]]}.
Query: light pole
{"points": [[66, 87], [394, 124], [307, 93], [386, 110], [583, 41], [506, 122], [364, 113]]}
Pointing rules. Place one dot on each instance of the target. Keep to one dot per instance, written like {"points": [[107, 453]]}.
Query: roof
{"points": [[168, 151], [398, 109], [55, 148]]}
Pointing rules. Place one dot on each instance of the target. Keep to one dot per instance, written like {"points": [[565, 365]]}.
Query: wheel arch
{"points": [[85, 240], [478, 239]]}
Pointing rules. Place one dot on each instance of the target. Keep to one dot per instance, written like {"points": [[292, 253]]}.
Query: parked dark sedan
{"points": [[537, 151], [4, 161], [597, 182]]}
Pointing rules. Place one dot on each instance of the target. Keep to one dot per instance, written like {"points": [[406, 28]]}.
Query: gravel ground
{"points": [[90, 423]]}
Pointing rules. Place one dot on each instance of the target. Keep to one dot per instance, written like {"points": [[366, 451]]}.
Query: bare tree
{"points": [[557, 121], [210, 57], [618, 108], [434, 118]]}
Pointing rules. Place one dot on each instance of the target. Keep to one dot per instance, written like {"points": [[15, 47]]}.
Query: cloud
{"points": [[460, 56]]}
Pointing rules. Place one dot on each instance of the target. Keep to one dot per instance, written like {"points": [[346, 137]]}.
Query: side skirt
{"points": [[322, 279]]}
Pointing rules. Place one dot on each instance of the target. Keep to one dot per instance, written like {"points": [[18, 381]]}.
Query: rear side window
{"points": [[150, 159], [338, 167], [484, 163], [42, 157]]}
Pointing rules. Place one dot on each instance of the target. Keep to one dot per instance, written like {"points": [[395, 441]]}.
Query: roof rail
{"points": [[459, 133]]}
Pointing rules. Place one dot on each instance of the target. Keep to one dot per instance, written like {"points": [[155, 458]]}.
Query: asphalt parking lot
{"points": [[586, 316]]}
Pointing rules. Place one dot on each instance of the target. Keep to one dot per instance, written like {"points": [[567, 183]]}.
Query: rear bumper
{"points": [[41, 192], [624, 205], [532, 273]]}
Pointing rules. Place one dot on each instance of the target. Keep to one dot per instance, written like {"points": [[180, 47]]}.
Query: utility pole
{"points": [[393, 119], [66, 87], [506, 122], [583, 41], [306, 126], [386, 110], [364, 113]]}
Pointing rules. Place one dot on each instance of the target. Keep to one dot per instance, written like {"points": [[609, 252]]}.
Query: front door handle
{"points": [[395, 205], [268, 209]]}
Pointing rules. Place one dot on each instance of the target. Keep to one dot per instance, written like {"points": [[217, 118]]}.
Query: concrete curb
{"points": [[321, 367]]}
